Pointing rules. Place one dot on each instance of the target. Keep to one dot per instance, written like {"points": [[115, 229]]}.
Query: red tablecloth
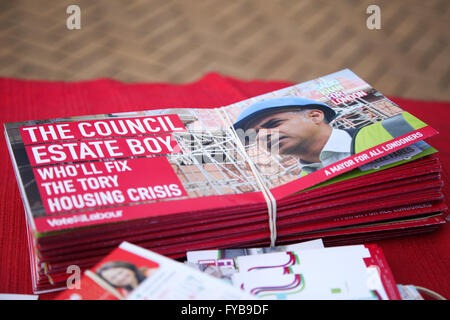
{"points": [[421, 260]]}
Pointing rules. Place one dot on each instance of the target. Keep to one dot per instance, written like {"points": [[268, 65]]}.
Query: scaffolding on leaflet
{"points": [[209, 162], [212, 164], [364, 111]]}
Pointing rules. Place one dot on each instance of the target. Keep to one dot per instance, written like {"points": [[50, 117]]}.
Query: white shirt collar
{"points": [[339, 141], [337, 147]]}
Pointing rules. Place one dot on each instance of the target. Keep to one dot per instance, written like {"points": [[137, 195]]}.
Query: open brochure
{"points": [[94, 170]]}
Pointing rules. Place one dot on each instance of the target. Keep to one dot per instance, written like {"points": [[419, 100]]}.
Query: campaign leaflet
{"points": [[221, 263], [133, 273], [335, 273], [302, 271], [94, 170]]}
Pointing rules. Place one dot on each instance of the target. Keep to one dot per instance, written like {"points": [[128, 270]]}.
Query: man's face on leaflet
{"points": [[291, 132]]}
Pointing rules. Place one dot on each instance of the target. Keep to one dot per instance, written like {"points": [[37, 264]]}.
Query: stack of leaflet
{"points": [[177, 180], [303, 271]]}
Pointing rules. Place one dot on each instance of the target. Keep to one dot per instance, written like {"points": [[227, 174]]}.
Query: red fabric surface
{"points": [[421, 260]]}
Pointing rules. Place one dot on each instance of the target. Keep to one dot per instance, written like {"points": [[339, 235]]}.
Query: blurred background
{"points": [[178, 41]]}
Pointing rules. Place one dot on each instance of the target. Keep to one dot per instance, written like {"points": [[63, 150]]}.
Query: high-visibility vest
{"points": [[303, 173], [385, 130], [388, 129]]}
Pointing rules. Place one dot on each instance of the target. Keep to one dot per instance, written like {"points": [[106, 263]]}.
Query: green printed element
{"points": [[375, 295], [336, 290], [295, 257], [288, 270]]}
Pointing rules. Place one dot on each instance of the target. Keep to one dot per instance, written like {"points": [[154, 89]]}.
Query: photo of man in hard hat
{"points": [[301, 127]]}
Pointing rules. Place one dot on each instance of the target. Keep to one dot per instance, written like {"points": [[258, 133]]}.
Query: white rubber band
{"points": [[268, 196]]}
